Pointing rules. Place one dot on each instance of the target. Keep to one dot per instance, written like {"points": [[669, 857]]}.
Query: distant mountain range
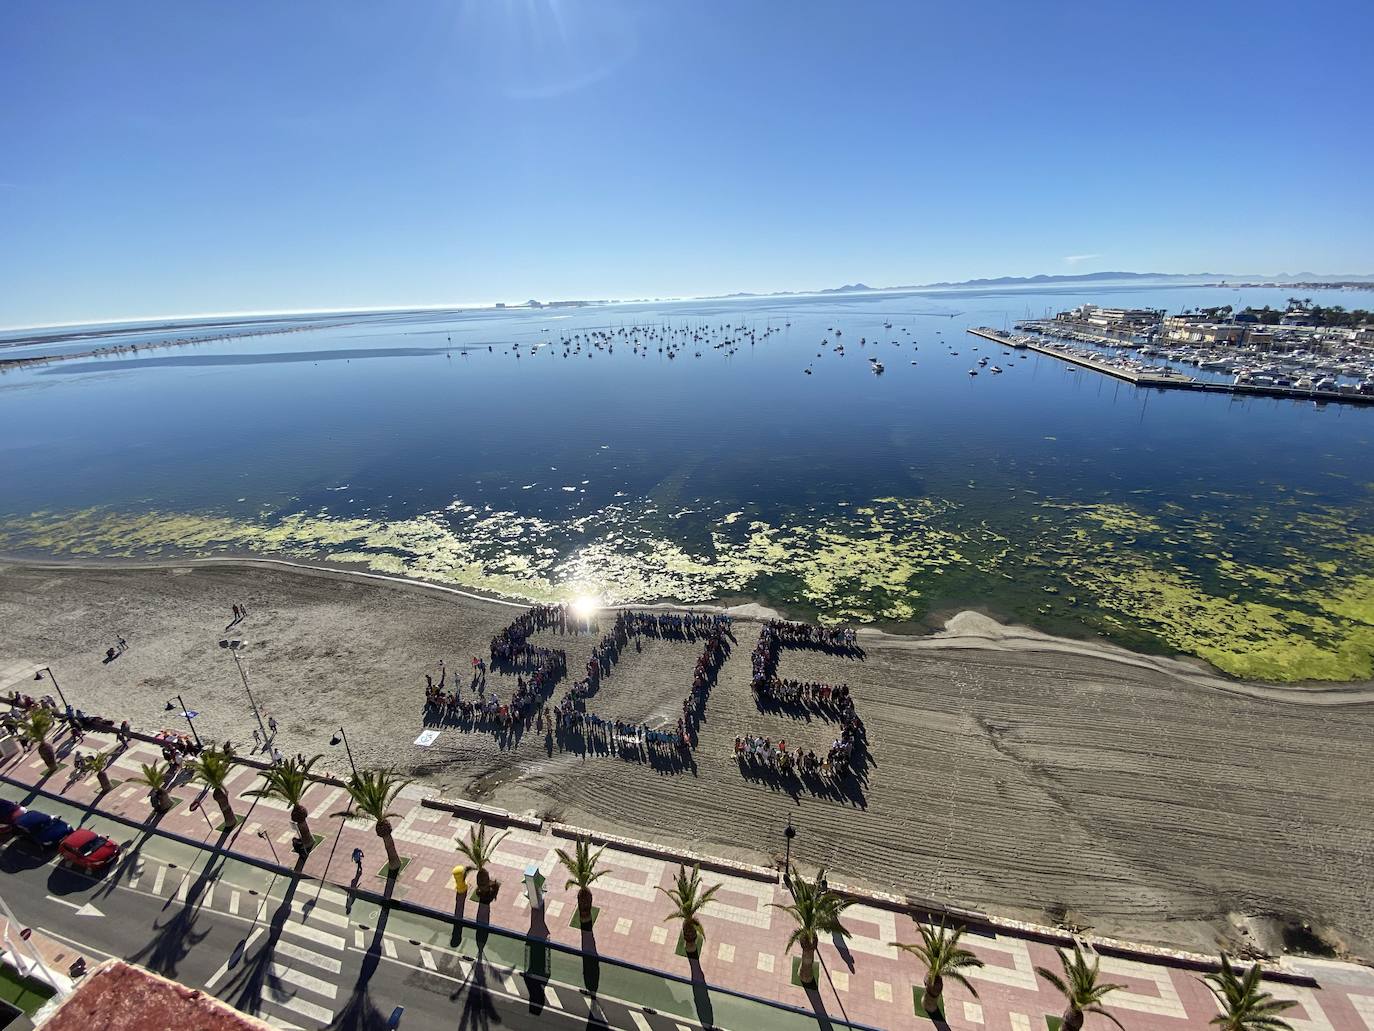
{"points": [[1282, 279]]}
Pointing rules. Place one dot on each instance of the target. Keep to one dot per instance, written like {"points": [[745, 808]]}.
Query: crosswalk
{"points": [[302, 981], [302, 966]]}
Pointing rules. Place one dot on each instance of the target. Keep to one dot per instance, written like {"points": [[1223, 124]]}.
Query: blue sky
{"points": [[180, 157]]}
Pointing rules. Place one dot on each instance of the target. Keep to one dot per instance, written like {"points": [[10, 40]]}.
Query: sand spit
{"points": [[1012, 771]]}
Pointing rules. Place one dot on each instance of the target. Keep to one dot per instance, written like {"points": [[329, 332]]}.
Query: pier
{"points": [[1165, 380]]}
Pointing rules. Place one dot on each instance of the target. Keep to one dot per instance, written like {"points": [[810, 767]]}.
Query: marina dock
{"points": [[1164, 381]]}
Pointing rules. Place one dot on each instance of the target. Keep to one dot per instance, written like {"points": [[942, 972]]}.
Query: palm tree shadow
{"points": [[177, 935], [591, 962], [128, 858], [813, 995], [701, 992], [245, 989], [842, 947], [479, 1012], [359, 1013], [537, 970], [460, 906]]}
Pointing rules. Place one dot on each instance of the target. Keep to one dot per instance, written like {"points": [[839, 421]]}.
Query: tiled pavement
{"points": [[863, 980]]}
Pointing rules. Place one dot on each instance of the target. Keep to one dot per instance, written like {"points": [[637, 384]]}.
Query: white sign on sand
{"points": [[427, 738]]}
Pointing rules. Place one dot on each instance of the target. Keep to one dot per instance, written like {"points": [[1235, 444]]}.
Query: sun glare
{"points": [[586, 606]]}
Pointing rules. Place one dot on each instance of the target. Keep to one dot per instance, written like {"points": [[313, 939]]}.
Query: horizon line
{"points": [[492, 305]]}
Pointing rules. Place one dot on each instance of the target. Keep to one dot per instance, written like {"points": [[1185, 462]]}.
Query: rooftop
{"points": [[118, 996]]}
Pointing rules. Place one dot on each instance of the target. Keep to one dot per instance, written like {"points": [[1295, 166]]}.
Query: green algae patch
{"points": [[1281, 591]]}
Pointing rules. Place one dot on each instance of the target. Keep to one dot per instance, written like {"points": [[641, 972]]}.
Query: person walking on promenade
{"points": [[257, 739], [358, 862]]}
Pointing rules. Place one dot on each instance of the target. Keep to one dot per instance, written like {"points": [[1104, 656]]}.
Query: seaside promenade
{"points": [[864, 981]]}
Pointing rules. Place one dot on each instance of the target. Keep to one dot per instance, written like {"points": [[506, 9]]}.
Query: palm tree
{"points": [[582, 871], [288, 782], [212, 769], [939, 950], [817, 910], [1080, 988], [158, 778], [38, 725], [1243, 1006], [373, 792], [98, 763], [689, 898], [479, 850]]}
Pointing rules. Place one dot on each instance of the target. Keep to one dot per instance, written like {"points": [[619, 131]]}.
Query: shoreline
{"points": [[962, 628]]}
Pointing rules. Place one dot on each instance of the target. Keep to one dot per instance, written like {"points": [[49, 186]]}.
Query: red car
{"points": [[87, 850]]}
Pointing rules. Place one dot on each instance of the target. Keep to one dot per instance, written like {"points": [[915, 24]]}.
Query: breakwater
{"points": [[1163, 379]]}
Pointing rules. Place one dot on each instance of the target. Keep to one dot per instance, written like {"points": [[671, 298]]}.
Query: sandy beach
{"points": [[1026, 775]]}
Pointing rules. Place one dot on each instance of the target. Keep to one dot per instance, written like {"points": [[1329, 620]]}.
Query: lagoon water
{"points": [[1240, 531]]}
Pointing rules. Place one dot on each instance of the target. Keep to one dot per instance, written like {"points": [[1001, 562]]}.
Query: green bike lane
{"points": [[518, 971]]}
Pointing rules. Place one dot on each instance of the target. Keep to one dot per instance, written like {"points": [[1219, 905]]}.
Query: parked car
{"points": [[43, 830], [87, 850]]}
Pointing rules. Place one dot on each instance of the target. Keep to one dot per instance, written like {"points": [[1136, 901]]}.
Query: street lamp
{"points": [[341, 736], [39, 676], [264, 837], [233, 647], [789, 832], [187, 713], [197, 807]]}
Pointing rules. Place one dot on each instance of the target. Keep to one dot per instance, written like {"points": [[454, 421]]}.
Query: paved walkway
{"points": [[863, 980]]}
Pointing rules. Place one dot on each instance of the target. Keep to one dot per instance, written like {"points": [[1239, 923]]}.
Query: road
{"points": [[298, 953]]}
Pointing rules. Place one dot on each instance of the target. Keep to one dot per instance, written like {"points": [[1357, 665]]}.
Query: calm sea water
{"points": [[1239, 530]]}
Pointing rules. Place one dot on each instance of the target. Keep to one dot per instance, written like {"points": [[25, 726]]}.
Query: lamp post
{"points": [[789, 832], [233, 649], [187, 713], [264, 837], [48, 670], [197, 807], [341, 736]]}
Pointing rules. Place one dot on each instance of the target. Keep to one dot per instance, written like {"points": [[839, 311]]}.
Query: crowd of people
{"points": [[777, 633], [762, 753], [831, 699], [537, 670], [569, 721], [571, 715], [572, 723], [511, 646]]}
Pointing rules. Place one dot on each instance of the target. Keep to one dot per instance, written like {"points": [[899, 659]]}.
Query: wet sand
{"points": [[1026, 775]]}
